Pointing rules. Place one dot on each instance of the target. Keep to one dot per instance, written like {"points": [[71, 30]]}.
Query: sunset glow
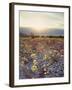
{"points": [[40, 21]]}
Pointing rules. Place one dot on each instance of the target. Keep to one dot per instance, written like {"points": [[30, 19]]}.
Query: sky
{"points": [[40, 21]]}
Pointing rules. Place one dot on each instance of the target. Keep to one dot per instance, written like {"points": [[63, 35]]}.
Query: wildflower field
{"points": [[41, 57]]}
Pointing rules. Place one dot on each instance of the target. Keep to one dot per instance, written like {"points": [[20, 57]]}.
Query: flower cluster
{"points": [[39, 57]]}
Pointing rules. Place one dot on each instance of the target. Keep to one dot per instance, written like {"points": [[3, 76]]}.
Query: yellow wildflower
{"points": [[33, 55], [45, 57], [34, 68]]}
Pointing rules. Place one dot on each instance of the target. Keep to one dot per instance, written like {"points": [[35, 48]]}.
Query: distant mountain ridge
{"points": [[56, 32], [47, 32]]}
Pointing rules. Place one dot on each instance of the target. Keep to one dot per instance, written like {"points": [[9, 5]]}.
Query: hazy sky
{"points": [[42, 20]]}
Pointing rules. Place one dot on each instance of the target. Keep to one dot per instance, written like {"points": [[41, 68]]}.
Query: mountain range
{"points": [[47, 32]]}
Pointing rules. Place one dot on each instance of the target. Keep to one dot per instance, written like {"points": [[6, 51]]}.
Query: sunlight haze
{"points": [[40, 21]]}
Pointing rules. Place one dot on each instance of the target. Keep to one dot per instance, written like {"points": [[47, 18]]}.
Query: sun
{"points": [[39, 30]]}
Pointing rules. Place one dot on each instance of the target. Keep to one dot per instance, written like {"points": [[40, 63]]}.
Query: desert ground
{"points": [[41, 57]]}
